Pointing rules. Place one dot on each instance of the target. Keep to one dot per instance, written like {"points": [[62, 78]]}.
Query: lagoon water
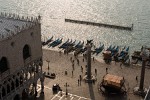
{"points": [[118, 12]]}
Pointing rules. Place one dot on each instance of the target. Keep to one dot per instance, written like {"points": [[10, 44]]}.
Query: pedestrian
{"points": [[95, 71], [121, 63], [72, 73], [78, 61], [61, 92], [86, 66], [106, 70], [80, 77], [93, 58], [81, 69], [136, 78], [78, 82], [73, 66], [71, 59], [66, 72]]}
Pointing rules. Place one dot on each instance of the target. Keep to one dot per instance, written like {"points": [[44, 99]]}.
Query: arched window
{"points": [[8, 88], [3, 92], [12, 85], [17, 82], [3, 64], [21, 79], [26, 52], [17, 97]]}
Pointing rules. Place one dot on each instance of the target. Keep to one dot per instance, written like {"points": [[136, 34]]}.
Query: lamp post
{"points": [[48, 66], [66, 85]]}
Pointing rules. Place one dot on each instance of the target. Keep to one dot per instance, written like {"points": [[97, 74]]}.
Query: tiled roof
{"points": [[11, 24]]}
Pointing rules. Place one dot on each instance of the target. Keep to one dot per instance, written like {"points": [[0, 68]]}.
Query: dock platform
{"points": [[100, 24]]}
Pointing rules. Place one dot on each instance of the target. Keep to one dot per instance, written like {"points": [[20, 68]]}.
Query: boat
{"points": [[113, 48], [109, 48], [54, 42], [114, 51], [99, 50], [48, 41], [63, 45], [77, 44], [73, 43], [77, 51], [80, 45], [67, 44], [123, 53], [57, 43]]}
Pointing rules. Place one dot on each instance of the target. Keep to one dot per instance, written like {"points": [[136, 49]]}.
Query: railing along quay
{"points": [[100, 24]]}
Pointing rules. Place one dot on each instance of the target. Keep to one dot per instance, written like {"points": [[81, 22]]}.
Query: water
{"points": [[119, 12]]}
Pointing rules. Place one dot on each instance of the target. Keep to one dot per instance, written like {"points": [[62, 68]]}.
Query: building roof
{"points": [[11, 24], [113, 80]]}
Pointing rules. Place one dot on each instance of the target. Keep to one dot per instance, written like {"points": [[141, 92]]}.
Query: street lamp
{"points": [[66, 85], [48, 66]]}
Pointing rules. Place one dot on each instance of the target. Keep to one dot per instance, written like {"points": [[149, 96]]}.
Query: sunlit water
{"points": [[118, 12]]}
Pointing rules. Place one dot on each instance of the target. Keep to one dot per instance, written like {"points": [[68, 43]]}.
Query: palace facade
{"points": [[20, 56]]}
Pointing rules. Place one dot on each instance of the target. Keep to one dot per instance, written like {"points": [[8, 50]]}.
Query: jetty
{"points": [[130, 28]]}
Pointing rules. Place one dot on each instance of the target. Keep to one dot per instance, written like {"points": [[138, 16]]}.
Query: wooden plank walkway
{"points": [[100, 24]]}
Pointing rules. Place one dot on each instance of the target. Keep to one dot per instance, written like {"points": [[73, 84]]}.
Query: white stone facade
{"points": [[20, 60]]}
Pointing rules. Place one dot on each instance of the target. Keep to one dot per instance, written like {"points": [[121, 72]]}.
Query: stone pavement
{"points": [[61, 63], [60, 95]]}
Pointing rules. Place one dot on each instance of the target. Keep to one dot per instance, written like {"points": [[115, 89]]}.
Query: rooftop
{"points": [[11, 24]]}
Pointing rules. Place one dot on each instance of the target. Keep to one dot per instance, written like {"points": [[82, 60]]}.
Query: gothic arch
{"points": [[24, 94], [8, 88], [26, 52], [17, 82], [4, 64], [17, 97], [3, 92], [21, 79], [12, 85]]}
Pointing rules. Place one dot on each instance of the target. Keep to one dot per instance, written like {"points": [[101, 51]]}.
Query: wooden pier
{"points": [[100, 24]]}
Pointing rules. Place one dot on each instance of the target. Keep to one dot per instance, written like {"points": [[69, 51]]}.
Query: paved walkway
{"points": [[60, 63], [61, 95]]}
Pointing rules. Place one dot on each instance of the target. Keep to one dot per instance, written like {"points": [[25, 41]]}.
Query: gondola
{"points": [[48, 41], [99, 50]]}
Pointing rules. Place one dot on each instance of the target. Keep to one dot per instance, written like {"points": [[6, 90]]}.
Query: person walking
{"points": [[71, 59], [95, 71], [136, 78], [73, 66], [81, 69], [78, 61], [80, 79], [72, 73], [93, 59], [106, 70], [78, 82]]}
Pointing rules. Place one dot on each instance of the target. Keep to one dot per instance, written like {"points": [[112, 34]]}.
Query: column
{"points": [[142, 75], [89, 61]]}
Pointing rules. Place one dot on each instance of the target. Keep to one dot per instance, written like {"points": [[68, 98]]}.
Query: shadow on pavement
{"points": [[92, 96], [41, 97], [115, 97]]}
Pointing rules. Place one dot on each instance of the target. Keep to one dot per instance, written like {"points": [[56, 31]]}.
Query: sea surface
{"points": [[118, 12]]}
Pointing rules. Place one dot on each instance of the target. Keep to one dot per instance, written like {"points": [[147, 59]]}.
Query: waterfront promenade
{"points": [[59, 63]]}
